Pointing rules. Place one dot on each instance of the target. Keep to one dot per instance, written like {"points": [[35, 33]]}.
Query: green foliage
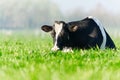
{"points": [[30, 58]]}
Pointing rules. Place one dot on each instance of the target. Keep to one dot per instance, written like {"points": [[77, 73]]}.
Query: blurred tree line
{"points": [[27, 13], [34, 13]]}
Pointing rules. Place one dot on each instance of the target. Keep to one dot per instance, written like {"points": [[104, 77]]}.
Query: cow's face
{"points": [[59, 34]]}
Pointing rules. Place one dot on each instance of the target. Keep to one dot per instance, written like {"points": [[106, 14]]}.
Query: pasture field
{"points": [[24, 57]]}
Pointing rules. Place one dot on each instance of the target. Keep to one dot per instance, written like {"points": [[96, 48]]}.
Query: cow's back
{"points": [[81, 38]]}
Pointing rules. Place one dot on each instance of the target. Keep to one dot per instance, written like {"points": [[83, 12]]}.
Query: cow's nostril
{"points": [[55, 48]]}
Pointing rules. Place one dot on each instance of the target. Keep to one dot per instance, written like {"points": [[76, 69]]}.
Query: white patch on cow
{"points": [[66, 49], [102, 31], [58, 28], [91, 17]]}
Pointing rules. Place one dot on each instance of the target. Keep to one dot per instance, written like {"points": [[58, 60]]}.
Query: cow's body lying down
{"points": [[83, 34]]}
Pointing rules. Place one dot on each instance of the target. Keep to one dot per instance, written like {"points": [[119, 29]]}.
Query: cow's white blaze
{"points": [[102, 31], [58, 28]]}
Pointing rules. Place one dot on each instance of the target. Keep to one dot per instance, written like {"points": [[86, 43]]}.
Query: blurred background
{"points": [[30, 15]]}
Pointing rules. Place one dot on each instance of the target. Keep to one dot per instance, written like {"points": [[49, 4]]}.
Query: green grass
{"points": [[30, 58]]}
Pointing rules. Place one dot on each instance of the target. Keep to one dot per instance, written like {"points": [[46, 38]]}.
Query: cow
{"points": [[83, 34]]}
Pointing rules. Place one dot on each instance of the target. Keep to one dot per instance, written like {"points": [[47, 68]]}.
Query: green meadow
{"points": [[29, 57]]}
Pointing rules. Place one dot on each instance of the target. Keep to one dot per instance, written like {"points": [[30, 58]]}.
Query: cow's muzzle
{"points": [[55, 48]]}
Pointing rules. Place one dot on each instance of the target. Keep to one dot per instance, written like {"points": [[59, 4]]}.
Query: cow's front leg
{"points": [[67, 49]]}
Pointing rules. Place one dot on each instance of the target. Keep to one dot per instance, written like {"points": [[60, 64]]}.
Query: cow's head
{"points": [[60, 34]]}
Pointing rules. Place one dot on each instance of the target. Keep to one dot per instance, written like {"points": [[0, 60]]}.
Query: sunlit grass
{"points": [[30, 58]]}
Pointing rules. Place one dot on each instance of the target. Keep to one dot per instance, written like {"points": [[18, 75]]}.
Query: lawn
{"points": [[24, 57]]}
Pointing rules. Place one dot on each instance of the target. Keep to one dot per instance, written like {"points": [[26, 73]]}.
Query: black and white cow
{"points": [[84, 34]]}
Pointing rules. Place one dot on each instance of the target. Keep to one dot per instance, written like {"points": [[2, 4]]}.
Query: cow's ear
{"points": [[46, 28], [73, 28]]}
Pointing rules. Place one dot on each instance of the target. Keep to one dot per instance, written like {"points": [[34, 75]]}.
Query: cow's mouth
{"points": [[55, 48]]}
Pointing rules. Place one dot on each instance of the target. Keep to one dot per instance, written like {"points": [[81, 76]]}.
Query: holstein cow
{"points": [[84, 34]]}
